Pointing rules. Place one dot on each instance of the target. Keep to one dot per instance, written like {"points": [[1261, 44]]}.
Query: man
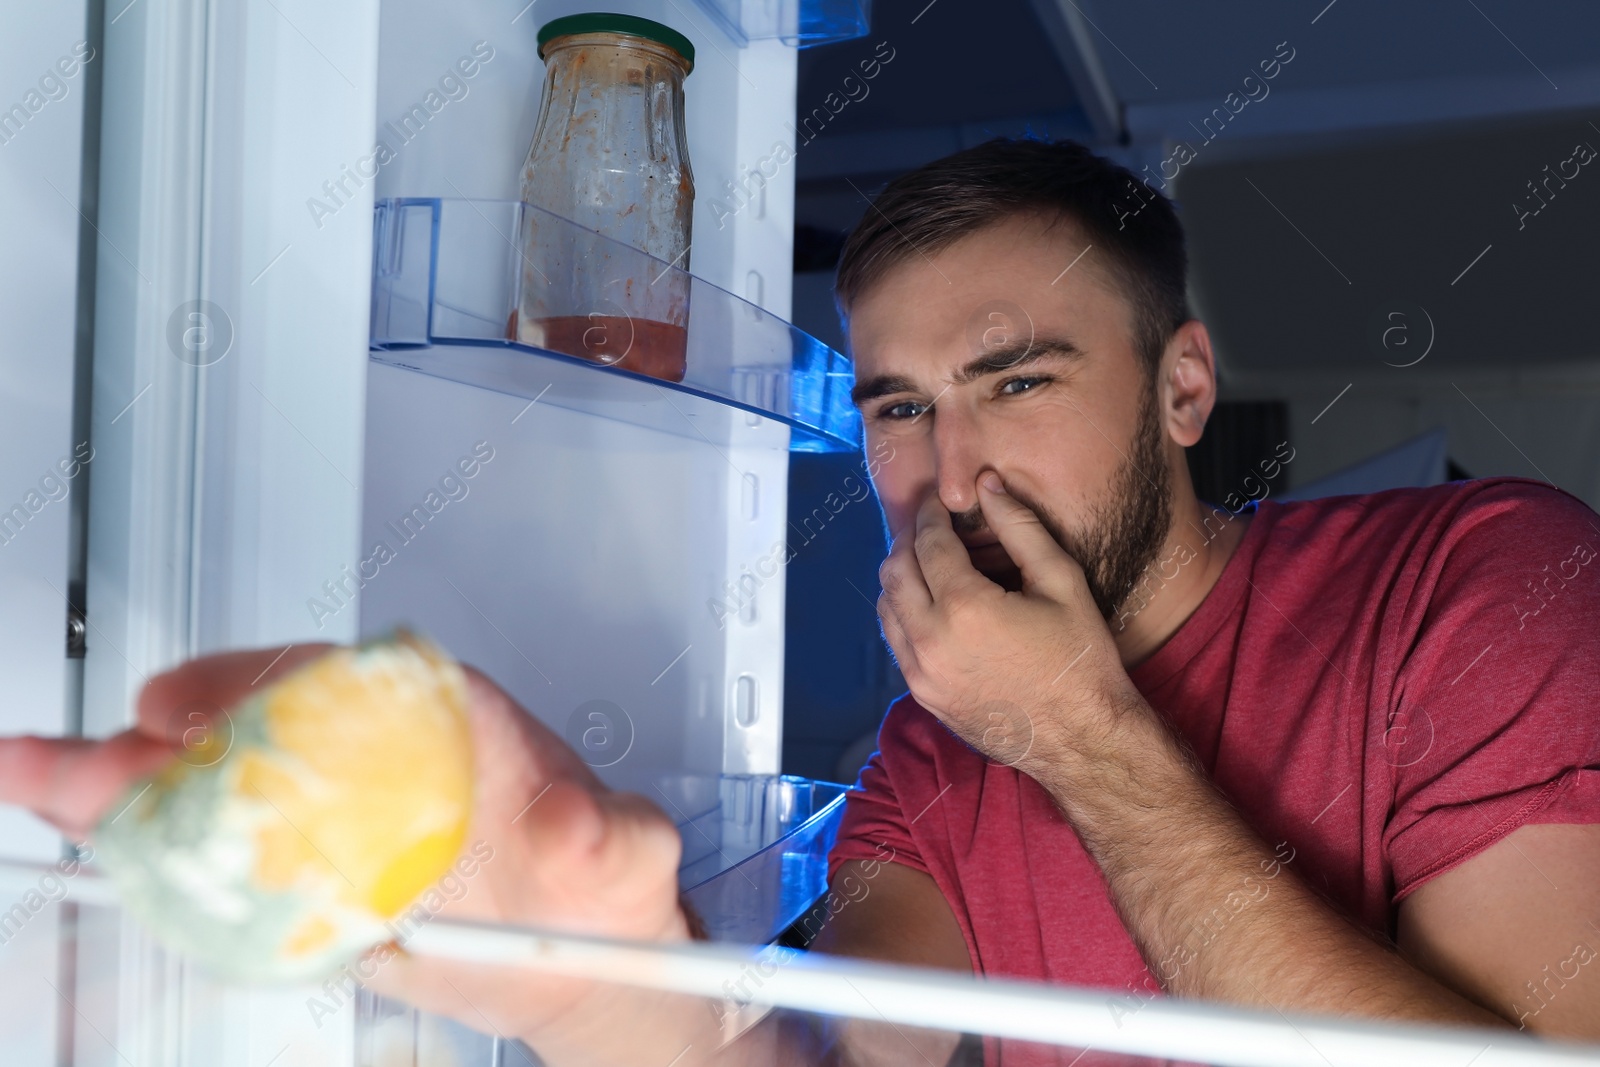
{"points": [[1335, 756], [1225, 756]]}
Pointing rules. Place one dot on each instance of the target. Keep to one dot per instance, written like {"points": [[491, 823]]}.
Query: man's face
{"points": [[987, 356]]}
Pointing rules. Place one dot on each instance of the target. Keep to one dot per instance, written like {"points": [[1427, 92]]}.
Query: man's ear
{"points": [[1188, 382]]}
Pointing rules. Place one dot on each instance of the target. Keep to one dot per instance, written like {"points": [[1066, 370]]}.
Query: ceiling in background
{"points": [[1200, 51], [1298, 260], [962, 71], [952, 65], [1384, 156]]}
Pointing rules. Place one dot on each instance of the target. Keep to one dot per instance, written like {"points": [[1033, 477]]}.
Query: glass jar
{"points": [[610, 156]]}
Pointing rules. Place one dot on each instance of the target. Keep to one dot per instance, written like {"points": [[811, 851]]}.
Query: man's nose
{"points": [[960, 456]]}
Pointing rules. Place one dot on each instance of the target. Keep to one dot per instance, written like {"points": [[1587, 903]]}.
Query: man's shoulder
{"points": [[911, 735], [1418, 555], [1450, 511], [909, 724]]}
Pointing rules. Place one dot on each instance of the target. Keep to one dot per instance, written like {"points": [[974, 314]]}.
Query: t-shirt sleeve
{"points": [[874, 826], [1498, 696]]}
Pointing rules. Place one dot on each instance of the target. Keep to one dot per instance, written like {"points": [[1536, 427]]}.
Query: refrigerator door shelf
{"points": [[802, 23], [446, 274], [755, 848]]}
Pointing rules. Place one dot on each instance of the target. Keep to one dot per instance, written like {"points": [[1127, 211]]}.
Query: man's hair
{"points": [[941, 202]]}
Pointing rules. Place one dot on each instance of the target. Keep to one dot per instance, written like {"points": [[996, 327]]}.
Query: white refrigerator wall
{"points": [[577, 565], [581, 566], [41, 154], [46, 62], [228, 387], [43, 56], [230, 328]]}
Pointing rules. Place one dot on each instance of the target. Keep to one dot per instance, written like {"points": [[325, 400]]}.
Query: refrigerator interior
{"points": [[579, 567]]}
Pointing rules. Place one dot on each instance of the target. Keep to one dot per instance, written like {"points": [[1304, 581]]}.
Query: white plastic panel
{"points": [[739, 102], [605, 564], [230, 328], [279, 433], [143, 403], [41, 136], [583, 563], [229, 378]]}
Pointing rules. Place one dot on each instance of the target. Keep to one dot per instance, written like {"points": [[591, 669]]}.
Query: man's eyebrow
{"points": [[994, 361], [1016, 354]]}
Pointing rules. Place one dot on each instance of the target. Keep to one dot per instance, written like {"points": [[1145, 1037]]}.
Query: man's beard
{"points": [[1123, 534]]}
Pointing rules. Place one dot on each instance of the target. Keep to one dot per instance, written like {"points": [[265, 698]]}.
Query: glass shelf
{"points": [[447, 276], [802, 23]]}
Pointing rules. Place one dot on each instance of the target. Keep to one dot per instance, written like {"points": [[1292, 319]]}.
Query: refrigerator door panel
{"points": [[229, 382], [230, 327], [230, 390], [43, 476], [580, 566], [447, 134]]}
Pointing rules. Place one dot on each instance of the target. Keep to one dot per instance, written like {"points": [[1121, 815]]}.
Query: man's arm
{"points": [[1215, 912], [1515, 927], [901, 918]]}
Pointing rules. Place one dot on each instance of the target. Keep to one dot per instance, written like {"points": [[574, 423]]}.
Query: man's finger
{"points": [[563, 820], [1044, 566], [73, 783], [945, 563], [894, 635], [900, 577]]}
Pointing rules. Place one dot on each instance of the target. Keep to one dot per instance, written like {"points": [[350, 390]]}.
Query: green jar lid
{"points": [[607, 22]]}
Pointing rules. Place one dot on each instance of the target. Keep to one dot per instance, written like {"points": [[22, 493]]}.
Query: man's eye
{"points": [[900, 410], [1024, 385]]}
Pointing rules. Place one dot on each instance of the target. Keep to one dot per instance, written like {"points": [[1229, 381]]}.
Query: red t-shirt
{"points": [[1383, 686]]}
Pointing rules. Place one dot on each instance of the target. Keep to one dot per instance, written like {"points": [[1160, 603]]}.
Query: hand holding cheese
{"points": [[553, 847], [312, 814]]}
